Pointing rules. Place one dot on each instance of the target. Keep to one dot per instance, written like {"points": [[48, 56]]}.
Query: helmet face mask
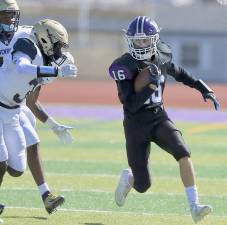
{"points": [[51, 37], [9, 19], [142, 36]]}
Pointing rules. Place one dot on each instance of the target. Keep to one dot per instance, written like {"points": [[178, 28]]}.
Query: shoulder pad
{"points": [[164, 52], [23, 31], [123, 68], [26, 46]]}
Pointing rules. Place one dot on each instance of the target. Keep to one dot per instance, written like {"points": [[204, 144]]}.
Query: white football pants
{"points": [[12, 139]]}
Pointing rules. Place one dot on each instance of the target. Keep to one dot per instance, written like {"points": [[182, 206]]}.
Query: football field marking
{"points": [[111, 212], [117, 176], [218, 196]]}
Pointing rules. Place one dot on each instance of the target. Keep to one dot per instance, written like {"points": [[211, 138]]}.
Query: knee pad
{"points": [[14, 173]]}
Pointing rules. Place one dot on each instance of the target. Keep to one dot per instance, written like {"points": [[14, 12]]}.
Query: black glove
{"points": [[207, 93], [154, 75], [212, 97]]}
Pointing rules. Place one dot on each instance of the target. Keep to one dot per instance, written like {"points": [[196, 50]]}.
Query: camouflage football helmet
{"points": [[142, 36], [51, 37], [9, 18]]}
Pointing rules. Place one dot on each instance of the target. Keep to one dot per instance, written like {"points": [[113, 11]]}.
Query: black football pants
{"points": [[146, 127]]}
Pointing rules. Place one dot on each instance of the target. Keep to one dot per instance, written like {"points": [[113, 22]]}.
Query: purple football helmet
{"points": [[142, 36]]}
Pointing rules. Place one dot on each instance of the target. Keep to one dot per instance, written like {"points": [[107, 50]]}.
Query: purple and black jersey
{"points": [[125, 68]]}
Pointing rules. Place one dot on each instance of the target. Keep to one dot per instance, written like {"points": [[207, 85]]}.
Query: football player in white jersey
{"points": [[20, 68]]}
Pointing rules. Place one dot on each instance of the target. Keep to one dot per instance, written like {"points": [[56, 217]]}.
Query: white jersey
{"points": [[15, 86]]}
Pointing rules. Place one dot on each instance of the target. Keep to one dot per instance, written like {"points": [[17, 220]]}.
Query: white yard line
{"points": [[93, 175], [110, 212], [218, 196]]}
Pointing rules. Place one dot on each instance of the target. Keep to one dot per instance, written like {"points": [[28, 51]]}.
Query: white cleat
{"points": [[123, 188], [198, 212]]}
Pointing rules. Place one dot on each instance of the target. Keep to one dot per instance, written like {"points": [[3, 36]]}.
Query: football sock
{"points": [[43, 188], [192, 195]]}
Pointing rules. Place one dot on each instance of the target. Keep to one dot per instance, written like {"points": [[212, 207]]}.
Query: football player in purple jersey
{"points": [[145, 119]]}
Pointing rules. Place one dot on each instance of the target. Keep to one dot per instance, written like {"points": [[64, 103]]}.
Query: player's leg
{"points": [[138, 177], [3, 155], [51, 201], [169, 138], [16, 145], [3, 161]]}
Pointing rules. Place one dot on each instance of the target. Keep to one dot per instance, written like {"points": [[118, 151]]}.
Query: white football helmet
{"points": [[9, 19], [51, 37]]}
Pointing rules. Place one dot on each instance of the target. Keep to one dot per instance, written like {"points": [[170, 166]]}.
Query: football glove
{"points": [[212, 97], [69, 70], [62, 131], [154, 74], [207, 93]]}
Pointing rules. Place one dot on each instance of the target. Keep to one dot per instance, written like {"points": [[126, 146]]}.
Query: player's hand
{"points": [[212, 97], [63, 133], [69, 70], [69, 58], [154, 75]]}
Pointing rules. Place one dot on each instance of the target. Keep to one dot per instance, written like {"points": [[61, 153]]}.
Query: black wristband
{"points": [[202, 87]]}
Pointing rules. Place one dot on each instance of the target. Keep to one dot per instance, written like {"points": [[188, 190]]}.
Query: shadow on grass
{"points": [[25, 217]]}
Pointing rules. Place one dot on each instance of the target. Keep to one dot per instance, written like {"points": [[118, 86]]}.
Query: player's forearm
{"points": [[39, 112], [25, 67], [181, 75], [135, 101], [202, 87]]}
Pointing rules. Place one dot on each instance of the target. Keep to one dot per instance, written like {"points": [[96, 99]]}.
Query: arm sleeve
{"points": [[131, 100], [24, 65], [180, 75]]}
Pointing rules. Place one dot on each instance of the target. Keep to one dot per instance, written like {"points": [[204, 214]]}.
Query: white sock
{"points": [[192, 195], [43, 188]]}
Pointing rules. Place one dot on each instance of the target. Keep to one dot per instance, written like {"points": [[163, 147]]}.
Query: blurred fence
{"points": [[199, 43]]}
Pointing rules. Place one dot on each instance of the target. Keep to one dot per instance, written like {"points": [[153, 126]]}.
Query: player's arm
{"points": [[24, 52], [183, 76], [62, 131], [35, 106], [124, 78]]}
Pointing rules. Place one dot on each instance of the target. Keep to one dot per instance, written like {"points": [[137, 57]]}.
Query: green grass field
{"points": [[87, 172]]}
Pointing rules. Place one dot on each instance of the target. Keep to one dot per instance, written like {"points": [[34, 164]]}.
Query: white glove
{"points": [[69, 59], [69, 70], [62, 131]]}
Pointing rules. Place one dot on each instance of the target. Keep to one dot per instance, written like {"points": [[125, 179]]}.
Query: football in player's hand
{"points": [[142, 80]]}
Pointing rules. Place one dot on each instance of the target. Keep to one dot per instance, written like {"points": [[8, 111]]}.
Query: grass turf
{"points": [[87, 172]]}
